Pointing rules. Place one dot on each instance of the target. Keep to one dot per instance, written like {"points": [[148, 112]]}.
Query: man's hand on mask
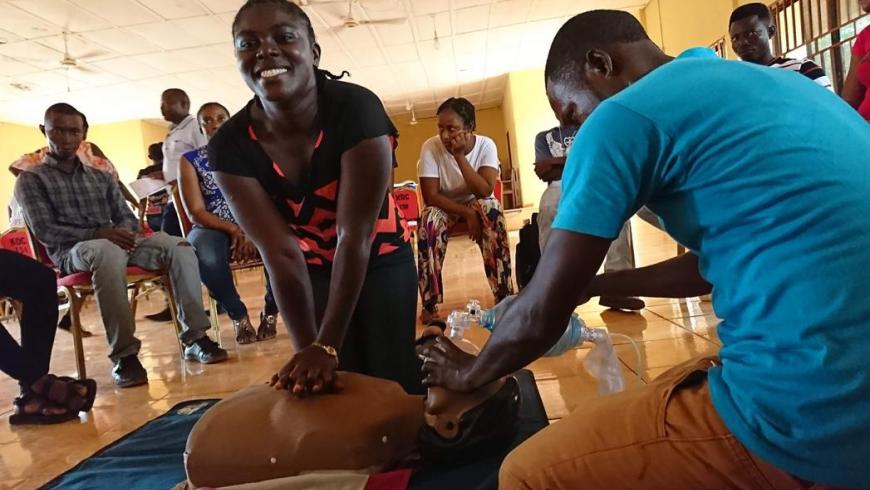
{"points": [[447, 366]]}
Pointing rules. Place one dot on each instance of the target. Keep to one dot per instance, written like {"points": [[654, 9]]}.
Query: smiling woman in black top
{"points": [[305, 167]]}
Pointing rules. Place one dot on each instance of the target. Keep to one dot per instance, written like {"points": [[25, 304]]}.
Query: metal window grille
{"points": [[719, 47], [823, 30]]}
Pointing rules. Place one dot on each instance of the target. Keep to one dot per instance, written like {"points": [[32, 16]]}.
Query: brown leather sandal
{"points": [[61, 391], [38, 415]]}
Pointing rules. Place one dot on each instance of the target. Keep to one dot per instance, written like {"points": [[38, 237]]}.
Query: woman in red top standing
{"points": [[856, 91], [305, 167]]}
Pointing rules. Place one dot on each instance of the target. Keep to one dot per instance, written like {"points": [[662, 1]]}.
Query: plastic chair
{"points": [[408, 202], [16, 240], [77, 286]]}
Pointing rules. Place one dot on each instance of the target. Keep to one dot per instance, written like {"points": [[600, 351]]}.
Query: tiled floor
{"points": [[667, 333]]}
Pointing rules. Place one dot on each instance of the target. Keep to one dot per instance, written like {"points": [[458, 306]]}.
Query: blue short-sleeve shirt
{"points": [[766, 176]]}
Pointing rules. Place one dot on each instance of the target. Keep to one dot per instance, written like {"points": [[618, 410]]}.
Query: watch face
{"points": [[327, 348]]}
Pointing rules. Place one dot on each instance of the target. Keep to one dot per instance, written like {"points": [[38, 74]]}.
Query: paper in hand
{"points": [[147, 186]]}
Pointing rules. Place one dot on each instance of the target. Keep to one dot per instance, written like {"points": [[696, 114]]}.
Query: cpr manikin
{"points": [[371, 425], [462, 426]]}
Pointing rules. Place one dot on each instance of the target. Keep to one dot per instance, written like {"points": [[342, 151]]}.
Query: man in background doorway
{"points": [[551, 149], [152, 211]]}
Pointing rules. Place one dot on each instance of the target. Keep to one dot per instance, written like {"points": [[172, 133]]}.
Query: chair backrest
{"points": [[30, 246], [408, 202], [39, 251], [183, 219], [17, 240]]}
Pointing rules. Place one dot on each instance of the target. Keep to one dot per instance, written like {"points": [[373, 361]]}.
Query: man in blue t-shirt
{"points": [[765, 178]]}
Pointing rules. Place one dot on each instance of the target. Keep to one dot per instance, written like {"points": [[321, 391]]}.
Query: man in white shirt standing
{"points": [[184, 135], [458, 171]]}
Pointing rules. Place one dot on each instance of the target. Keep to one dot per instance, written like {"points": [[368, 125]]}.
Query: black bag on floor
{"points": [[528, 252]]}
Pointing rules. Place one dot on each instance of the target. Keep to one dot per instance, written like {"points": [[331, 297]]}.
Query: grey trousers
{"points": [[620, 255], [108, 263]]}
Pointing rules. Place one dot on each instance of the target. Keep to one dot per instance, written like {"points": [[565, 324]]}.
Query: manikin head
{"points": [[464, 426]]}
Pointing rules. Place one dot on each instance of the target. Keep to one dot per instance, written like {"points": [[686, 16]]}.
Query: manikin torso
{"points": [[261, 434]]}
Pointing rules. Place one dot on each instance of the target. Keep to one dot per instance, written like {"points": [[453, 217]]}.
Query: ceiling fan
{"points": [[70, 62], [409, 106], [349, 21]]}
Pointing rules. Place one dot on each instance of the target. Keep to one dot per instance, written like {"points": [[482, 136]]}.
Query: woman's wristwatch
{"points": [[330, 350]]}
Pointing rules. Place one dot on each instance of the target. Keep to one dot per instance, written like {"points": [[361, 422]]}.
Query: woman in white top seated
{"points": [[458, 171]]}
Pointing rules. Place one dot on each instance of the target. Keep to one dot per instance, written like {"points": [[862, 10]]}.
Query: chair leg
{"points": [[173, 311], [214, 320], [134, 297], [17, 308], [75, 307]]}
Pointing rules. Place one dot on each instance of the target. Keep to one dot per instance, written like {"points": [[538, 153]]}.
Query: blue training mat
{"points": [[151, 457]]}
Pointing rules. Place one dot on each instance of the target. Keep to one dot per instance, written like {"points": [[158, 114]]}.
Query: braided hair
{"points": [[211, 104], [463, 108]]}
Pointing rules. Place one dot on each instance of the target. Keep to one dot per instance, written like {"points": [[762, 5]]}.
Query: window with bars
{"points": [[719, 47], [823, 30]]}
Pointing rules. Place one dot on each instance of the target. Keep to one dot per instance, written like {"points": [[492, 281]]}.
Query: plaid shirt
{"points": [[64, 207]]}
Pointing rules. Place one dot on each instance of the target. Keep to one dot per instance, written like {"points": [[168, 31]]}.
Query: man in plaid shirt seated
{"points": [[79, 214]]}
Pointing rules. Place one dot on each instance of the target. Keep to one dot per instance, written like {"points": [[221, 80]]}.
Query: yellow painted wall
{"points": [[527, 112], [490, 122], [153, 133], [676, 25], [651, 20], [125, 143]]}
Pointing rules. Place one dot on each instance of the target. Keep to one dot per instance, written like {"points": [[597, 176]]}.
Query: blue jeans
{"points": [[169, 224], [213, 251], [155, 222]]}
